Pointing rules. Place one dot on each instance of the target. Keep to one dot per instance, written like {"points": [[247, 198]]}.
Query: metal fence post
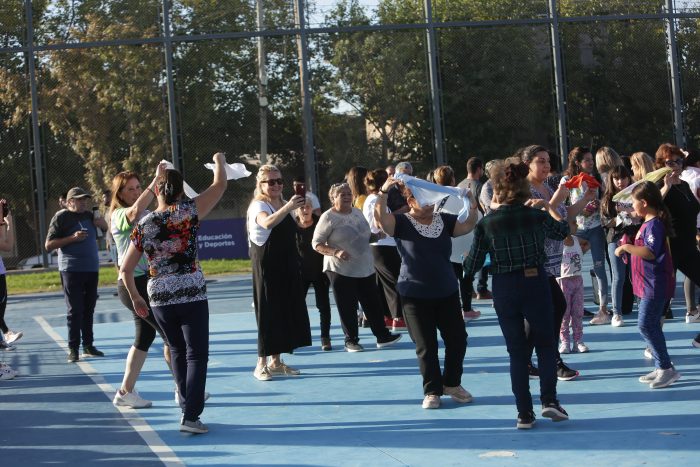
{"points": [[674, 76], [36, 140], [262, 82], [172, 114], [559, 85], [436, 108], [307, 117]]}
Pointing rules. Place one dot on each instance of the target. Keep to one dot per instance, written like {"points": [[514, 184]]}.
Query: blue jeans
{"points": [[650, 313], [516, 298], [619, 272], [596, 238], [186, 325]]}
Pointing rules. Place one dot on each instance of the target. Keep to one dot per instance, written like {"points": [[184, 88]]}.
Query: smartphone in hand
{"points": [[300, 189]]}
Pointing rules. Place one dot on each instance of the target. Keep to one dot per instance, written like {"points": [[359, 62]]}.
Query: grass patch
{"points": [[51, 281]]}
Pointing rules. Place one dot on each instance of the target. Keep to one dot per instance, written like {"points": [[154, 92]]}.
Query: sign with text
{"points": [[222, 239]]}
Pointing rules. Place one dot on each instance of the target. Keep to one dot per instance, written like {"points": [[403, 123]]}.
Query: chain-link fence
{"points": [[89, 88]]}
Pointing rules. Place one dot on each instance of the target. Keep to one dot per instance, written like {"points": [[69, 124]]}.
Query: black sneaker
{"points": [[351, 346], [554, 411], [91, 351], [668, 314], [326, 344], [564, 373], [525, 420], [73, 355], [391, 339], [696, 341], [533, 371]]}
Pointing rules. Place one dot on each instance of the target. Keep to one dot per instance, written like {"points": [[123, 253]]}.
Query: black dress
{"points": [[280, 306]]}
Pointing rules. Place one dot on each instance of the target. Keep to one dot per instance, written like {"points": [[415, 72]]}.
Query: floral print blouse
{"points": [[169, 241]]}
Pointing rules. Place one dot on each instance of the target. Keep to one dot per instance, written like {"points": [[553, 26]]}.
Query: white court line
{"points": [[141, 426]]}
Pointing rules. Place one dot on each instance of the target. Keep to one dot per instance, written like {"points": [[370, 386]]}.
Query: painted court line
{"points": [[141, 426]]}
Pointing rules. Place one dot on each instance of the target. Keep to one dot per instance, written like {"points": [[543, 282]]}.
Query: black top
{"points": [[311, 260], [684, 210]]}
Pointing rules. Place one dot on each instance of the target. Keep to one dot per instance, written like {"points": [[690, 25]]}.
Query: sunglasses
{"points": [[673, 162], [273, 181]]}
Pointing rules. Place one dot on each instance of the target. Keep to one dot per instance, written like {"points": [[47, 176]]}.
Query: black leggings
{"points": [[3, 303], [145, 328]]}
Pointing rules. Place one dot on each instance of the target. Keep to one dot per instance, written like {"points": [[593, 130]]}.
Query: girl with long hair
{"points": [[621, 225], [652, 277]]}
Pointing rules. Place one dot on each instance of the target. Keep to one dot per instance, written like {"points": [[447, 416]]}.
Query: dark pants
{"points": [[482, 285], [80, 292], [347, 292], [387, 264], [559, 307], [465, 287], [186, 326], [3, 303], [323, 303], [425, 316], [144, 328], [517, 298]]}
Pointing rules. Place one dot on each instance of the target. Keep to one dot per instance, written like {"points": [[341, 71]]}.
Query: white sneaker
{"points": [[131, 399], [564, 347], [7, 373], [580, 347], [689, 318], [177, 396], [431, 401], [458, 394], [600, 318], [665, 378], [647, 354], [11, 336], [648, 378], [6, 347], [617, 321]]}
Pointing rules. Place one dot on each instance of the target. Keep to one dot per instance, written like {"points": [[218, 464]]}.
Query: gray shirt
{"points": [[78, 256], [348, 232]]}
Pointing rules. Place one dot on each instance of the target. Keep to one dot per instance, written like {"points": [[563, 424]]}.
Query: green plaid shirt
{"points": [[514, 237]]}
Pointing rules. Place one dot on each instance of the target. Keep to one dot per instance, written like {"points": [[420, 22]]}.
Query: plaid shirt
{"points": [[514, 237]]}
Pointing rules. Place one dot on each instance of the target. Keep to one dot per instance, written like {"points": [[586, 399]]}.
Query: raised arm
{"points": [[208, 198], [7, 236], [463, 228], [384, 219], [148, 195]]}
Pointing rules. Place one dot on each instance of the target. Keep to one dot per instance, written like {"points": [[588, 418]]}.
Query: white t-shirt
{"points": [[691, 175], [368, 212], [462, 244], [256, 233], [315, 203], [572, 258]]}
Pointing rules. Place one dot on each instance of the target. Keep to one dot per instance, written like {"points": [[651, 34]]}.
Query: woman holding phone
{"points": [[280, 303]]}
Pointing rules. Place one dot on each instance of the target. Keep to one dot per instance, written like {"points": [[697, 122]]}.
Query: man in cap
{"points": [[73, 232]]}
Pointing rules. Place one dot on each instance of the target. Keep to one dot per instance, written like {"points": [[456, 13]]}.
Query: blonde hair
{"points": [[607, 159], [491, 166], [642, 164], [264, 170]]}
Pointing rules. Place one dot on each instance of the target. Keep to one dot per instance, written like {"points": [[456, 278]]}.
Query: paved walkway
{"points": [[345, 409]]}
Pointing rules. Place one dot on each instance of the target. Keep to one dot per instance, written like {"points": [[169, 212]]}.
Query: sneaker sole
{"points": [[568, 378], [125, 404], [675, 378], [354, 350], [696, 344], [554, 414], [196, 431], [388, 344], [524, 426]]}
